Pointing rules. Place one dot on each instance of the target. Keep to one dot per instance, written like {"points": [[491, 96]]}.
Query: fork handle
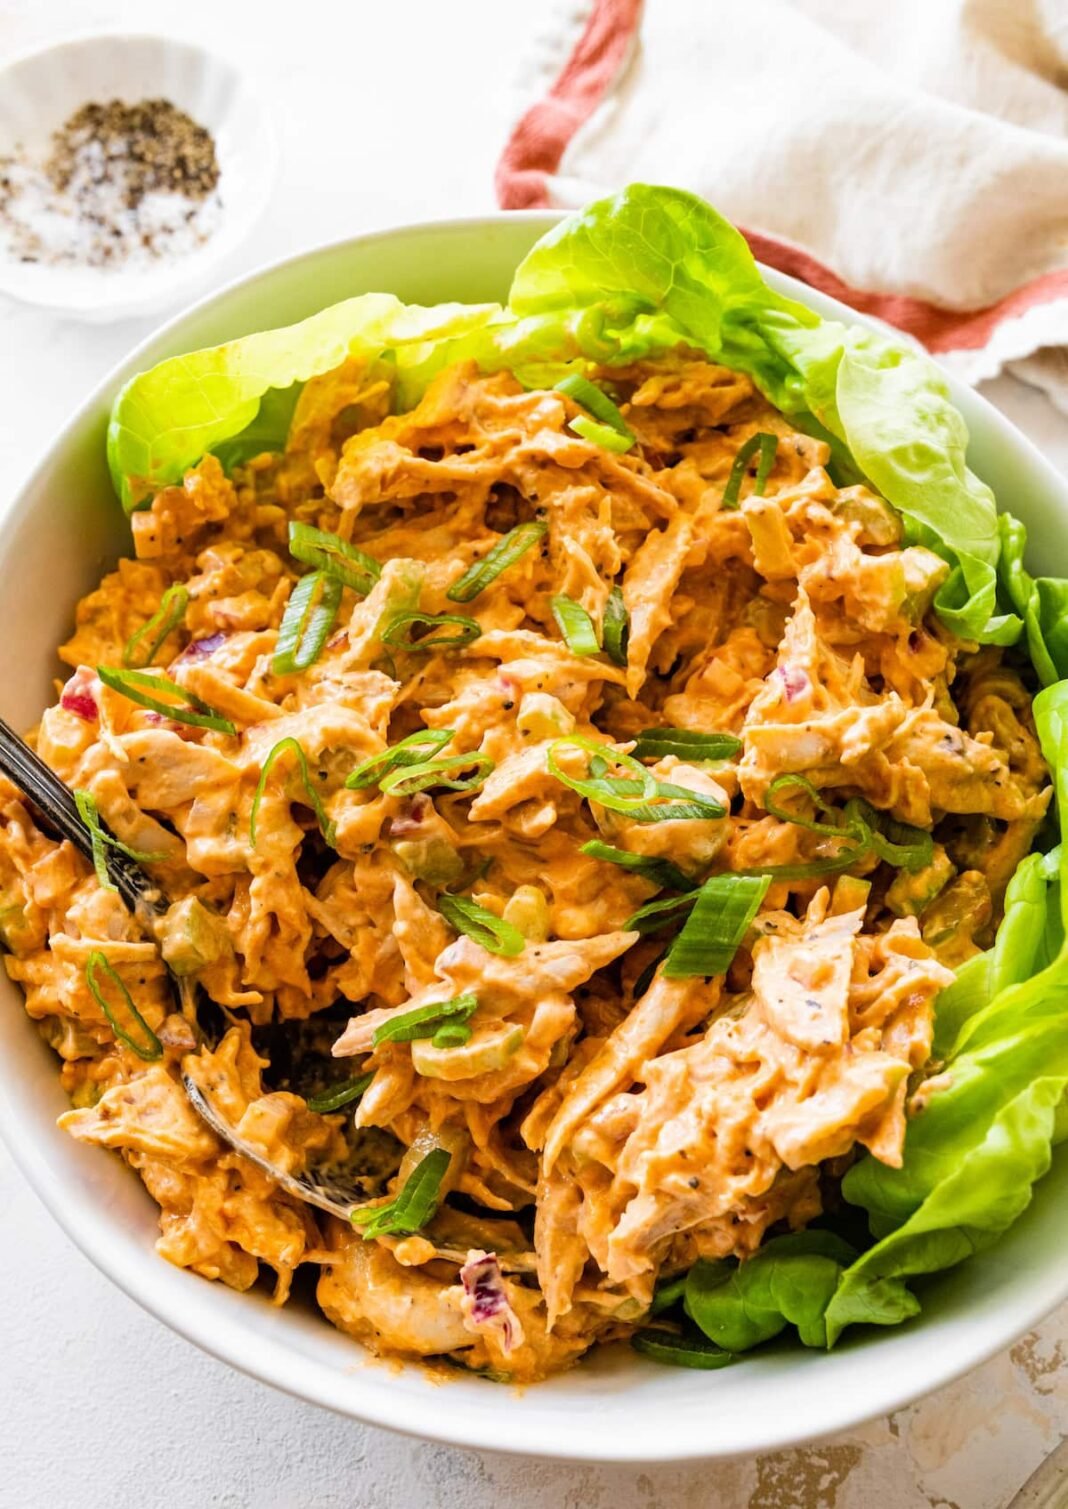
{"points": [[55, 804]]}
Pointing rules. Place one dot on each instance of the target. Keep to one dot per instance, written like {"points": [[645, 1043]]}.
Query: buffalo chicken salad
{"points": [[600, 756]]}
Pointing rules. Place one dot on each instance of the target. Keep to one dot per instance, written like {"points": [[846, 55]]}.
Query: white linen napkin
{"points": [[910, 158]]}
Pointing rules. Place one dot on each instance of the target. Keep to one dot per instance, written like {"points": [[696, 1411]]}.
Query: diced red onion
{"points": [[412, 818], [485, 1303], [200, 649], [795, 683], [78, 695]]}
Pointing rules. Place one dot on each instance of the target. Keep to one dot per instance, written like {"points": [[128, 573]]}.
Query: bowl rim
{"points": [[155, 287], [157, 1288]]}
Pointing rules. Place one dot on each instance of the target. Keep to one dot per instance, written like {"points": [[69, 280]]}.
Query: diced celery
{"points": [[489, 1048], [456, 1141], [431, 859], [950, 922], [879, 524], [561, 1051], [14, 926], [850, 894], [542, 716], [403, 585], [86, 1095], [528, 910], [192, 937], [910, 893], [924, 574]]}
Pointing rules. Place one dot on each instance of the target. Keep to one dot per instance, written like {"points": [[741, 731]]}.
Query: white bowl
{"points": [[55, 539], [41, 89]]}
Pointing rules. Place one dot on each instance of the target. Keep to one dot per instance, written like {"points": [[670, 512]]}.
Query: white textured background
{"points": [[386, 112]]}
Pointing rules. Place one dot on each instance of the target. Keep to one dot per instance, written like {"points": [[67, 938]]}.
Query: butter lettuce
{"points": [[636, 275], [164, 420], [790, 1281], [1042, 602]]}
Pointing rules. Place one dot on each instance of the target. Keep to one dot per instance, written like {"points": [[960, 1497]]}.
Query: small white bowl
{"points": [[40, 90]]}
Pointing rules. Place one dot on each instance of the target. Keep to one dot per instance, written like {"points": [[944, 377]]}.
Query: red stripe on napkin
{"points": [[537, 144], [939, 329]]}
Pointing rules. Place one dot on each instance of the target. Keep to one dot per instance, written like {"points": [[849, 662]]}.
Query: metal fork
{"points": [[337, 1193]]}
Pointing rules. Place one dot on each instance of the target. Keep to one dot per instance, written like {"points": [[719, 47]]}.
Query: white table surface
{"points": [[386, 113]]}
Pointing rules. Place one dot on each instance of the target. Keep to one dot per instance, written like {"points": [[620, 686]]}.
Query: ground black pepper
{"points": [[120, 182]]}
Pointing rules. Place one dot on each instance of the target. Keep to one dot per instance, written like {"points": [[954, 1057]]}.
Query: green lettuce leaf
{"points": [[268, 431], [164, 420], [1042, 603], [653, 268], [790, 1281], [988, 1122]]}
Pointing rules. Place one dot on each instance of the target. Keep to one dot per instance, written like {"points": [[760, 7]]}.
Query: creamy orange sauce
{"points": [[608, 1135]]}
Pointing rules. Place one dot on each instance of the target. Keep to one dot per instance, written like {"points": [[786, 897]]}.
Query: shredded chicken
{"points": [[605, 1123]]}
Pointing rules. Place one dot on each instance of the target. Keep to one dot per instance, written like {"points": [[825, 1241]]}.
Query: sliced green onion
{"points": [[895, 842], [594, 400], [604, 435], [856, 830], [861, 825], [131, 684], [315, 802], [654, 915], [724, 908], [340, 1095], [306, 623], [164, 621], [691, 805], [806, 871], [442, 771], [615, 627], [149, 1047], [648, 974], [335, 556], [686, 744], [607, 427], [608, 791], [576, 625], [102, 840], [452, 1035], [413, 1206], [414, 750], [767, 446], [505, 553], [634, 795], [680, 1351], [660, 872], [394, 634], [87, 811], [488, 930], [424, 1021]]}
